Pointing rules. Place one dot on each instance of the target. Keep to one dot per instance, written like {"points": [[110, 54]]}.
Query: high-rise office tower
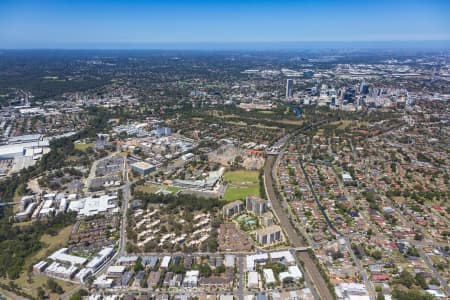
{"points": [[363, 88], [289, 88]]}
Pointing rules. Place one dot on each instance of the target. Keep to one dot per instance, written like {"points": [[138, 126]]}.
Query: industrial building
{"points": [[12, 151]]}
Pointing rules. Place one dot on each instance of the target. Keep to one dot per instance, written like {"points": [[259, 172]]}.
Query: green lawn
{"points": [[153, 188], [266, 112], [170, 188], [83, 147], [241, 184]]}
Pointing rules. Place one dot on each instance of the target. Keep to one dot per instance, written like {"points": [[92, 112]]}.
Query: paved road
{"points": [[296, 240], [126, 196], [319, 205], [241, 281], [91, 176], [436, 273], [68, 294], [123, 226]]}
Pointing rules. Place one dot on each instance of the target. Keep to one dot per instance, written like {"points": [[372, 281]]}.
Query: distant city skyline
{"points": [[215, 24]]}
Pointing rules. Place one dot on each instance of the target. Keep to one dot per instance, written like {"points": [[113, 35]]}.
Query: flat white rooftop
{"points": [[92, 206], [62, 256]]}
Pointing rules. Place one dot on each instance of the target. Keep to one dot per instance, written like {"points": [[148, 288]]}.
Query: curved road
{"points": [[295, 239]]}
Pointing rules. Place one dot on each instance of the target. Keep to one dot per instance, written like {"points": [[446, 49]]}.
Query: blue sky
{"points": [[93, 23]]}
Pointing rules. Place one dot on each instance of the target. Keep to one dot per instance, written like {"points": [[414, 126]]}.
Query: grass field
{"points": [[399, 199], [153, 188], [289, 121], [265, 127], [24, 224], [343, 124], [241, 184], [72, 158], [241, 123], [266, 112], [83, 147]]}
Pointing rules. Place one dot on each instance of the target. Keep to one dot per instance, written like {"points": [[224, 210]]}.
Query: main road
{"points": [[295, 239]]}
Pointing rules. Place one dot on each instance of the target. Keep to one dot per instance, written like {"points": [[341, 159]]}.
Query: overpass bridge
{"points": [[301, 249]]}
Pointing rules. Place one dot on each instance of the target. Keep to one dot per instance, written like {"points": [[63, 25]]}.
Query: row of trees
{"points": [[188, 202]]}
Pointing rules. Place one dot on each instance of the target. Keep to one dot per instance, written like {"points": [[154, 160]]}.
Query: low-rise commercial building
{"points": [[269, 277], [252, 280], [92, 206], [143, 168], [191, 278], [62, 256]]}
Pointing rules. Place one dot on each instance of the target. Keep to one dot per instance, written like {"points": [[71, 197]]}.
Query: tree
{"points": [[412, 251], [40, 293], [406, 279], [219, 269], [412, 294], [138, 265], [204, 269], [380, 296], [434, 281], [54, 286], [377, 254], [79, 295], [336, 255], [421, 281], [213, 244]]}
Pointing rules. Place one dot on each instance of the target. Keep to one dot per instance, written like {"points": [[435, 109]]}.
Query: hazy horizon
{"points": [[288, 45], [28, 24]]}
